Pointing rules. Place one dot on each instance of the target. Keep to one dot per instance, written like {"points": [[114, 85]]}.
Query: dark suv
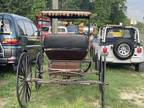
{"points": [[17, 34]]}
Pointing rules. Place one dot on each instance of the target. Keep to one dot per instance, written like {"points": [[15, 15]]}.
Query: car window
{"points": [[73, 29], [34, 27], [70, 29], [120, 32], [5, 25], [28, 27], [21, 27], [61, 30]]}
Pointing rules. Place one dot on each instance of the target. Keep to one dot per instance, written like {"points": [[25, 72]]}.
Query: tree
{"points": [[104, 11], [38, 5], [117, 12], [21, 7]]}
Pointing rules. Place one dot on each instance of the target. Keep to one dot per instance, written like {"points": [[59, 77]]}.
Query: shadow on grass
{"points": [[62, 95], [125, 67], [6, 70]]}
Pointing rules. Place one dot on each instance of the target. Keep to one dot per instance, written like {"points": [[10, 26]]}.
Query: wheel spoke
{"points": [[23, 95], [29, 88], [21, 84], [21, 77], [21, 71], [28, 92], [26, 95], [23, 65], [26, 66], [37, 67], [21, 88]]}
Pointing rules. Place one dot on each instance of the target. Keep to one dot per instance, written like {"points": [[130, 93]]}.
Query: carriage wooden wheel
{"points": [[23, 76], [39, 68]]}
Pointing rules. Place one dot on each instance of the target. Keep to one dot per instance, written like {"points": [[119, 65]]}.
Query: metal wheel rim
{"points": [[23, 87], [124, 49]]}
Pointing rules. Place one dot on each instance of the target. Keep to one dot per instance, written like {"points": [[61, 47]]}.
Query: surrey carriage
{"points": [[66, 54]]}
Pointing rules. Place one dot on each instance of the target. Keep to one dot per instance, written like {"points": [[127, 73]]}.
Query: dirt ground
{"points": [[134, 97], [3, 102]]}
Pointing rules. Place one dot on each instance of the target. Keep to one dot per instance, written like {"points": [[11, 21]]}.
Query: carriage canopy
{"points": [[65, 14]]}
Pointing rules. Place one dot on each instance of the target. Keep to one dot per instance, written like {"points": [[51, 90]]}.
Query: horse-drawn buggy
{"points": [[66, 55]]}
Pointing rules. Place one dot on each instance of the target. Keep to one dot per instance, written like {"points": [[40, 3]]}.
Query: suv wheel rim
{"points": [[124, 49]]}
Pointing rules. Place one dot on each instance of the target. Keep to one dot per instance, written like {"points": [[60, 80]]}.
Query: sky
{"points": [[135, 9]]}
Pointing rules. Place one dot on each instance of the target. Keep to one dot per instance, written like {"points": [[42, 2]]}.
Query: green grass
{"points": [[120, 79]]}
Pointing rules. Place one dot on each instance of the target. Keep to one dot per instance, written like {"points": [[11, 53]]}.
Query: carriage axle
{"points": [[82, 82]]}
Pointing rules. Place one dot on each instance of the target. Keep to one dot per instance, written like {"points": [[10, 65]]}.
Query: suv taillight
{"points": [[10, 41], [105, 50], [139, 50]]}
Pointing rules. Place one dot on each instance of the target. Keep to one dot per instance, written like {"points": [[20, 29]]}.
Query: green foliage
{"points": [[104, 11], [16, 6], [141, 27], [23, 7], [117, 12], [37, 6]]}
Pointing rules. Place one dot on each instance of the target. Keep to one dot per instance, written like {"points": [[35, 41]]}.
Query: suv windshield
{"points": [[120, 32]]}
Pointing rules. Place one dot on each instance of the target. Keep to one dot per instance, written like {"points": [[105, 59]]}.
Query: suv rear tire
{"points": [[123, 49], [139, 67], [12, 67]]}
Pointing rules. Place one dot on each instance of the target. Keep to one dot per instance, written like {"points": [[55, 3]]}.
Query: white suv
{"points": [[121, 44]]}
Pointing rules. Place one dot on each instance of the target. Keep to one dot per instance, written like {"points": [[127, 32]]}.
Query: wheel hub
{"points": [[124, 49]]}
